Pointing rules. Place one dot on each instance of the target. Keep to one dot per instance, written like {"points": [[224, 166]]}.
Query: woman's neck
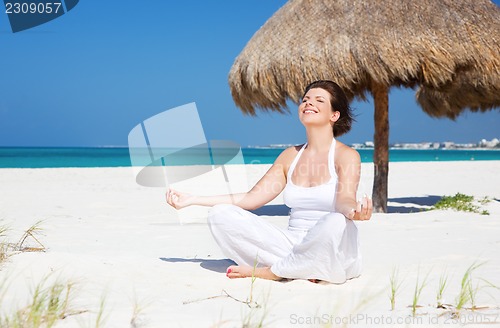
{"points": [[319, 139]]}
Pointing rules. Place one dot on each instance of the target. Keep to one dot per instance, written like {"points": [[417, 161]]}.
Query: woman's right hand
{"points": [[179, 200], [364, 208]]}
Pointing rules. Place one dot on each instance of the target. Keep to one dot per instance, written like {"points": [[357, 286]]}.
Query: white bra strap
{"points": [[294, 163], [331, 159]]}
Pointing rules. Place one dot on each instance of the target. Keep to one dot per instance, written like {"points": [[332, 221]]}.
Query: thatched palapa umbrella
{"points": [[448, 49]]}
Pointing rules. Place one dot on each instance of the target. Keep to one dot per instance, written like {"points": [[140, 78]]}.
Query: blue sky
{"points": [[88, 77]]}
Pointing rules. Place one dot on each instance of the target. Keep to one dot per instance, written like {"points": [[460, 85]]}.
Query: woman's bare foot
{"points": [[243, 271]]}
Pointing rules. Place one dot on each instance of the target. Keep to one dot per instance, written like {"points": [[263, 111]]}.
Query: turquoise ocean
{"points": [[25, 157]]}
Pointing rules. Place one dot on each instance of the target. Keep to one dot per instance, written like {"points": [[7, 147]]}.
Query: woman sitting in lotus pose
{"points": [[319, 181]]}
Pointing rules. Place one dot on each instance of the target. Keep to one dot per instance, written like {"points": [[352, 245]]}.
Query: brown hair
{"points": [[338, 102]]}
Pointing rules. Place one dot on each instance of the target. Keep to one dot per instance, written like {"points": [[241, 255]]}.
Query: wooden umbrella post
{"points": [[380, 94]]}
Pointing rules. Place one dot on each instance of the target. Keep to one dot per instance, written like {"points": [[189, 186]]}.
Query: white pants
{"points": [[329, 251]]}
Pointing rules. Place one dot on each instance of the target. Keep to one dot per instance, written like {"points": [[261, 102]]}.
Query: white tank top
{"points": [[309, 204]]}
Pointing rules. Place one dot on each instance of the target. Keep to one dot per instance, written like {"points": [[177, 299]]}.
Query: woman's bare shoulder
{"points": [[345, 153], [286, 157]]}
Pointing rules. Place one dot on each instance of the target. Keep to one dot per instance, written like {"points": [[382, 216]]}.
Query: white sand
{"points": [[120, 241]]}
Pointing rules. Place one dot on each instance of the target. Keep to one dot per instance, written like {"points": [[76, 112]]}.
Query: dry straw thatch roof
{"points": [[449, 49]]}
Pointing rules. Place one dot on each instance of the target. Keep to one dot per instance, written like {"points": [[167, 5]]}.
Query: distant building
{"points": [[448, 145], [494, 143]]}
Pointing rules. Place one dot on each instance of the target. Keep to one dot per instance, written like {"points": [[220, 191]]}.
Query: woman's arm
{"points": [[265, 190], [348, 168]]}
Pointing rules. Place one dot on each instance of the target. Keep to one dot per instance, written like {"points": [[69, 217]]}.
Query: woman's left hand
{"points": [[179, 200], [363, 209]]}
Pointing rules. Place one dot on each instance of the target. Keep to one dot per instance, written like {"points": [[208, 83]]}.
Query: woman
{"points": [[319, 181]]}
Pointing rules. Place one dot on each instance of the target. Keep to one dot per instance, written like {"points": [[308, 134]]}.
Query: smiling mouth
{"points": [[309, 111]]}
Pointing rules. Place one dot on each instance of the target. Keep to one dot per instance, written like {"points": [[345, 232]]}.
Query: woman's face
{"points": [[316, 108]]}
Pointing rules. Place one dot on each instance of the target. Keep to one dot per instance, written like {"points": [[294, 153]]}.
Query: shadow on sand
{"points": [[209, 264], [272, 210], [409, 201], [408, 205]]}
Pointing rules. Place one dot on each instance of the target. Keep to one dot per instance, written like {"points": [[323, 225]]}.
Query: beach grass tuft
{"points": [[3, 230], [418, 291], [468, 292], [463, 203], [3, 290], [31, 234], [257, 315], [95, 319], [395, 285], [48, 304], [485, 200], [252, 284], [101, 317], [4, 245], [443, 283], [8, 249], [258, 311], [137, 320]]}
